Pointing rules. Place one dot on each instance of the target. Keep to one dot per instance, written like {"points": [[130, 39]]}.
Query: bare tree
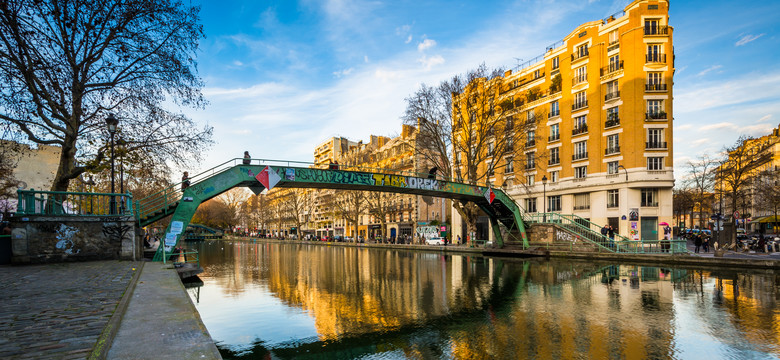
{"points": [[297, 203], [684, 204], [745, 158], [379, 206], [66, 65], [350, 204], [701, 181], [472, 125]]}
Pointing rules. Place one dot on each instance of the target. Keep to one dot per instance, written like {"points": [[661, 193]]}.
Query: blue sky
{"points": [[283, 76]]}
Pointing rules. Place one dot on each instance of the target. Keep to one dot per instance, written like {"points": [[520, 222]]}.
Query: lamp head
{"points": [[544, 179], [111, 123]]}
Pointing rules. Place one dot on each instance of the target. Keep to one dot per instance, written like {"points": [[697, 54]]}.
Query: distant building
{"points": [[35, 168]]}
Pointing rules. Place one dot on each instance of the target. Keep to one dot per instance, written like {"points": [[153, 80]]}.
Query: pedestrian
{"points": [[697, 242], [185, 181], [761, 242], [247, 158], [611, 235], [705, 243], [458, 239]]}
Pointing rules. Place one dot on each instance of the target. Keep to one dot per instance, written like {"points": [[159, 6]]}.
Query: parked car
{"points": [[434, 241]]}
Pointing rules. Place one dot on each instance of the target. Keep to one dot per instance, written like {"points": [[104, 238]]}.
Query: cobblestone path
{"points": [[57, 311]]}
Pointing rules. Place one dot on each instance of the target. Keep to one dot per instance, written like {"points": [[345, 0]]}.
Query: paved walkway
{"points": [[750, 255], [58, 311], [161, 322]]}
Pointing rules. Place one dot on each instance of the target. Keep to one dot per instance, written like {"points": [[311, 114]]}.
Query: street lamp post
{"points": [[122, 146], [544, 198], [111, 123], [624, 169]]}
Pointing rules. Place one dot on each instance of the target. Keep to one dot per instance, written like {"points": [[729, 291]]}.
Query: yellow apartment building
{"points": [[603, 149]]}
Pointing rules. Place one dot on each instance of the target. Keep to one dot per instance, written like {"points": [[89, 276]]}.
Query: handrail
{"points": [[67, 203]]}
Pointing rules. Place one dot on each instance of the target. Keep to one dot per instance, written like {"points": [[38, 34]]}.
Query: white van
{"points": [[434, 241]]}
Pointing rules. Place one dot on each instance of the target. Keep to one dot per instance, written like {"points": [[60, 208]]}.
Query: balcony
{"points": [[531, 120], [612, 96], [656, 30], [553, 114], [612, 122], [655, 145], [554, 161], [530, 143], [579, 55], [655, 116], [655, 58], [581, 207], [613, 67], [612, 150], [579, 79], [655, 87], [579, 105], [509, 148], [553, 138], [579, 130], [529, 166], [649, 204], [579, 156]]}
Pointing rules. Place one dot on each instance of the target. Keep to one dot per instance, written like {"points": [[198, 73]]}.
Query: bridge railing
{"points": [[63, 203], [172, 194]]}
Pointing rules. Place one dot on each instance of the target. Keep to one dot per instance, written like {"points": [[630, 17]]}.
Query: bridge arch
{"points": [[181, 205]]}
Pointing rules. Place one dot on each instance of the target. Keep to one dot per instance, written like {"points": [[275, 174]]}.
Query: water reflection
{"points": [[300, 301]]}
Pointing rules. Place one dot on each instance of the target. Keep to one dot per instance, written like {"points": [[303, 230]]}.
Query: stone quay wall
{"points": [[49, 239]]}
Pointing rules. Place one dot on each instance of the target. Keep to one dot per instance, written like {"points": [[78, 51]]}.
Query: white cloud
{"points": [[709, 69], [718, 126], [365, 59], [426, 44], [699, 142], [748, 38], [695, 96], [343, 72], [765, 118], [237, 63], [683, 127], [429, 62], [408, 39]]}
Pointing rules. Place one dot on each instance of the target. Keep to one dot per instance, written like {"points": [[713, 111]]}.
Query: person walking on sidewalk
{"points": [[697, 242], [705, 243]]}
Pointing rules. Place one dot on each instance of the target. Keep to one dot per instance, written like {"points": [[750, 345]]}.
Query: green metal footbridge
{"points": [[181, 205]]}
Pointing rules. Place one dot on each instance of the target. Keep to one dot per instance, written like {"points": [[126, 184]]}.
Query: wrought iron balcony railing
{"points": [[613, 67], [579, 156], [612, 150], [660, 115], [579, 130], [612, 96], [655, 58], [655, 145], [612, 122], [657, 30], [655, 87], [579, 105]]}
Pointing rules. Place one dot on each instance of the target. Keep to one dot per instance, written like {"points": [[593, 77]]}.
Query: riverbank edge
{"points": [[639, 259], [106, 338]]}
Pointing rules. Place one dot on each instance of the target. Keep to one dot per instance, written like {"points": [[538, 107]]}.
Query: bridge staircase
{"points": [[582, 229]]}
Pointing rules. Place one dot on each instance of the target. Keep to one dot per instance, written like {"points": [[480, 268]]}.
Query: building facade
{"points": [[603, 148]]}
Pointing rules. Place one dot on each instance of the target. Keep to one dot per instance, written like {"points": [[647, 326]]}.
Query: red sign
{"points": [[490, 195], [736, 214], [268, 178]]}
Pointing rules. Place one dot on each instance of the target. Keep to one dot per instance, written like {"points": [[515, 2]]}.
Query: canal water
{"points": [[288, 301]]}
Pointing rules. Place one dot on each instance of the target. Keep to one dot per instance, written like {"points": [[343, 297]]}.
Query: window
{"points": [[554, 132], [529, 116], [649, 197], [555, 63], [530, 138], [510, 167], [555, 156], [530, 160], [655, 110], [580, 125], [529, 179], [652, 27], [654, 53], [612, 91], [580, 100], [613, 198], [655, 138], [580, 75], [554, 109], [491, 148], [510, 123], [613, 144], [554, 203], [614, 63], [582, 50], [509, 143], [582, 201], [655, 163], [613, 168], [580, 150], [613, 117], [537, 74], [554, 176], [655, 82], [580, 172], [613, 37], [530, 205]]}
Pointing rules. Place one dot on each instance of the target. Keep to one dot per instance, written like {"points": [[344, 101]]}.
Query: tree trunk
{"points": [[66, 167]]}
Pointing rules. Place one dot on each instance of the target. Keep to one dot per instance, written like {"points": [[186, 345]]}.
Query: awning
{"points": [[767, 219]]}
